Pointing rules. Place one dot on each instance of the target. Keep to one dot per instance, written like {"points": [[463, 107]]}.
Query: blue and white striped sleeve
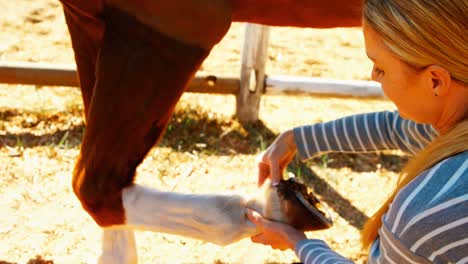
{"points": [[363, 133], [317, 251]]}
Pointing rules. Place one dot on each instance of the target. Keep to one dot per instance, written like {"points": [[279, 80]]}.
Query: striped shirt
{"points": [[428, 220]]}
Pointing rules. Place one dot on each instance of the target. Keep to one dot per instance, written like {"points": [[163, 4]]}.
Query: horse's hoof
{"points": [[303, 210]]}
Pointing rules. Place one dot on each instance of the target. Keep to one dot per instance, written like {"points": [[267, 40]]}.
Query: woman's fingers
{"points": [[276, 158], [272, 242], [254, 217], [259, 239], [263, 172], [271, 233], [269, 169], [275, 173]]}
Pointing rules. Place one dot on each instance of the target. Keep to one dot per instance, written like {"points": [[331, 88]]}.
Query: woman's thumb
{"points": [[254, 216], [275, 173]]}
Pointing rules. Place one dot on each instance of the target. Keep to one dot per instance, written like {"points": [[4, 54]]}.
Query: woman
{"points": [[419, 49]]}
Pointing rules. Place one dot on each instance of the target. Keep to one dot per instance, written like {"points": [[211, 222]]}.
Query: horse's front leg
{"points": [[118, 246], [140, 76], [218, 219]]}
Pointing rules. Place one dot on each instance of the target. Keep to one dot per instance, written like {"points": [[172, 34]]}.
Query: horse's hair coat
{"points": [[219, 219], [118, 246], [214, 218]]}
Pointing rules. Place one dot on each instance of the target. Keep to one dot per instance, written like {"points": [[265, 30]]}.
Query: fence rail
{"points": [[248, 88]]}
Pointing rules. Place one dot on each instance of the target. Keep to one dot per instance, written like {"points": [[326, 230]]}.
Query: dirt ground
{"points": [[205, 149]]}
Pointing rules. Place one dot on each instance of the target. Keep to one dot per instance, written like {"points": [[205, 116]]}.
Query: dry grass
{"points": [[205, 149]]}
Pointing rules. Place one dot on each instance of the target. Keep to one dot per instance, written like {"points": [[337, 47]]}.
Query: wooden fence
{"points": [[248, 88]]}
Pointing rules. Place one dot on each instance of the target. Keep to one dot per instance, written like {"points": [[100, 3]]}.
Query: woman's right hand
{"points": [[276, 157], [275, 234]]}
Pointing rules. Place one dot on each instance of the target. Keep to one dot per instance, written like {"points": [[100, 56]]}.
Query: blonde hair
{"points": [[422, 33]]}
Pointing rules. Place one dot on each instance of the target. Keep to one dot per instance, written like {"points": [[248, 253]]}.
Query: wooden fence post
{"points": [[252, 77]]}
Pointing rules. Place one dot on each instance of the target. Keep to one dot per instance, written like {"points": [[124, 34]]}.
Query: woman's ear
{"points": [[438, 79]]}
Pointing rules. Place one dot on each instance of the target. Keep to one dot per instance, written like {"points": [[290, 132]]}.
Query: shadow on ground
{"points": [[190, 130], [330, 196], [37, 260]]}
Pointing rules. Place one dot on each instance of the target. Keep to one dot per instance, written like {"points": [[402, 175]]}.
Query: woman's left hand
{"points": [[277, 235]]}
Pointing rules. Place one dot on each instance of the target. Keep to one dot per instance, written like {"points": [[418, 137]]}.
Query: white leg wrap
{"points": [[219, 219], [118, 246]]}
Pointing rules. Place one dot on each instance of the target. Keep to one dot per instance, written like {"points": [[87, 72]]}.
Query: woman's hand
{"points": [[277, 235], [275, 159]]}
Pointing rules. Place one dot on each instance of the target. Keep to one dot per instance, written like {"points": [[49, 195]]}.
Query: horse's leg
{"points": [[86, 30], [218, 219], [140, 77], [118, 246]]}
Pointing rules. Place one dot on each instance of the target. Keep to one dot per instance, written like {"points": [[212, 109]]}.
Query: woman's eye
{"points": [[378, 71]]}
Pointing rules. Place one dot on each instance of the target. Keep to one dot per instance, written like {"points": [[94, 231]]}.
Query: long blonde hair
{"points": [[422, 33]]}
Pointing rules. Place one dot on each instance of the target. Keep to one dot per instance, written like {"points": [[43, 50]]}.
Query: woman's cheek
{"points": [[386, 91]]}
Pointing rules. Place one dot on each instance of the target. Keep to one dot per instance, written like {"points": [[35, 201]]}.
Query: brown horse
{"points": [[134, 59]]}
